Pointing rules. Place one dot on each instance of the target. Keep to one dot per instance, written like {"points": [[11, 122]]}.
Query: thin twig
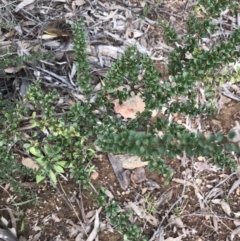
{"points": [[166, 215], [219, 184]]}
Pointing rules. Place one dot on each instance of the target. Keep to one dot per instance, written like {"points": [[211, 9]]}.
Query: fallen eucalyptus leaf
{"points": [[226, 208]]}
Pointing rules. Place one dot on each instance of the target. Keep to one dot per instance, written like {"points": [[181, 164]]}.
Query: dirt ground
{"points": [[57, 212], [201, 203]]}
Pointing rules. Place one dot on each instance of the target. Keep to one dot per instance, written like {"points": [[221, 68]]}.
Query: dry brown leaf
{"points": [[216, 201], [144, 190], [79, 97], [236, 231], [36, 228], [94, 175], [10, 34], [53, 33], [13, 70], [226, 208], [37, 236], [130, 107], [55, 218], [237, 214], [142, 214], [234, 186], [23, 4], [90, 214], [236, 222], [215, 224], [142, 3], [48, 36], [109, 194], [137, 33], [130, 162], [30, 163]]}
